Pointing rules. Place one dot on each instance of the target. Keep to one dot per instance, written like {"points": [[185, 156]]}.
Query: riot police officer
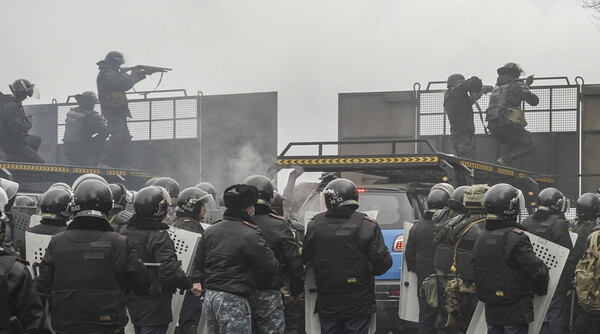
{"points": [[10, 243], [347, 250], [112, 83], [444, 255], [232, 253], [172, 187], [85, 132], [191, 207], [266, 302], [458, 104], [55, 207], [549, 222], [15, 139], [118, 215], [420, 249], [20, 306], [504, 115], [148, 235], [587, 210], [87, 268], [506, 270]]}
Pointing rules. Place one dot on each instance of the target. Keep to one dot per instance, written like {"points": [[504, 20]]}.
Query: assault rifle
{"points": [[147, 69]]}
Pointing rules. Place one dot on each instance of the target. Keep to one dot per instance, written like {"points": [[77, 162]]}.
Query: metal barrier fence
{"points": [[558, 110], [152, 119]]}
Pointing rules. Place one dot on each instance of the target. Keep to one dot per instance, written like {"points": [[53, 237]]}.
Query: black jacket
{"points": [[112, 84], [152, 242], [419, 250], [119, 219], [507, 273], [280, 239], [552, 227], [459, 106], [347, 250], [234, 254], [18, 298], [14, 124], [86, 270]]}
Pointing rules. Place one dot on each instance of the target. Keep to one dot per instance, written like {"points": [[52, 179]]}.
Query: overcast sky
{"points": [[308, 51]]}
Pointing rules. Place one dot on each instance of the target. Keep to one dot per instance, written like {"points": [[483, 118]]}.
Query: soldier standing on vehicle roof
{"points": [[587, 210], [458, 104], [15, 140], [18, 297], [87, 269], [347, 250], [266, 302], [505, 268], [148, 234], [112, 84], [232, 254], [549, 222], [419, 252], [442, 261], [85, 132], [505, 118], [192, 204]]}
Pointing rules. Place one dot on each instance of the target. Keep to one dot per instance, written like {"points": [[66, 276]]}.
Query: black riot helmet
{"points": [[439, 195], [114, 58], [92, 198], [510, 69], [551, 199], [120, 195], [86, 177], [208, 188], [277, 204], [151, 181], [22, 89], [172, 187], [191, 200], [588, 206], [61, 185], [56, 204], [264, 186], [454, 80], [456, 201], [340, 192], [503, 201], [152, 202]]}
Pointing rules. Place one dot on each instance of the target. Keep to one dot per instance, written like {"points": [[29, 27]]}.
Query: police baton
{"points": [[16, 325]]}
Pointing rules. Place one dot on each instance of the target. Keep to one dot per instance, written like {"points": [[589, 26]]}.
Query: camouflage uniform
{"points": [[267, 311], [226, 313]]}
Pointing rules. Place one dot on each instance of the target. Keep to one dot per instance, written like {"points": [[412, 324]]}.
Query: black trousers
{"points": [[345, 325], [520, 141], [118, 142], [23, 150]]}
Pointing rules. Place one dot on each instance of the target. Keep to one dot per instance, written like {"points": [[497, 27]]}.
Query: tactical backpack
{"points": [[587, 276]]}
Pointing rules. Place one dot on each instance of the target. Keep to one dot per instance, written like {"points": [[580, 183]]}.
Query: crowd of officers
{"points": [[111, 260], [86, 130], [469, 246]]}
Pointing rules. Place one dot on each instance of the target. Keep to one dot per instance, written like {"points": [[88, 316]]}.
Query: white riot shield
{"points": [[311, 319], [36, 245], [185, 243], [21, 222], [555, 257], [409, 300], [34, 220]]}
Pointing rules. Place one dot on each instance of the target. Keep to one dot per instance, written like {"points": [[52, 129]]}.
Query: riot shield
{"points": [[36, 245], [21, 221], [409, 300], [311, 318], [555, 257]]}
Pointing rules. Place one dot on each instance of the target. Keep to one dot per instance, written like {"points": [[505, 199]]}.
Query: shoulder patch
{"points": [[250, 225], [370, 219], [276, 216], [517, 231]]}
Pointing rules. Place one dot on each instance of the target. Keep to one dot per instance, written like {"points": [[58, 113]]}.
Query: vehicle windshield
{"points": [[390, 208]]}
